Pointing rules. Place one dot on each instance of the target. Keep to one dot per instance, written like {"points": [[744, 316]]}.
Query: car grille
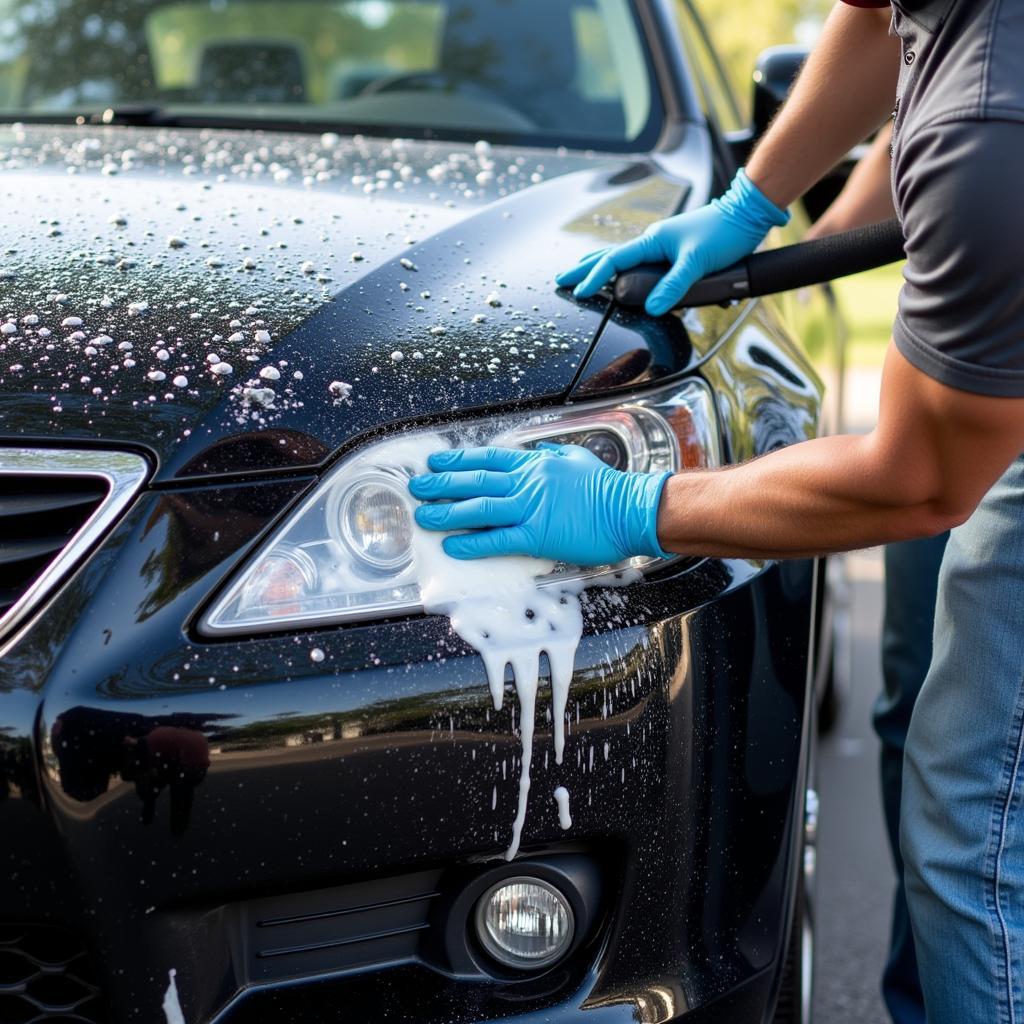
{"points": [[54, 504], [46, 976], [38, 516]]}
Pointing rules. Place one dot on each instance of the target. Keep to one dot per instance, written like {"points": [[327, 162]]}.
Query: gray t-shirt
{"points": [[958, 183]]}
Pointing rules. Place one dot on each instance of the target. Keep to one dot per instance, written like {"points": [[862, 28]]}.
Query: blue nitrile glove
{"points": [[558, 501], [696, 244]]}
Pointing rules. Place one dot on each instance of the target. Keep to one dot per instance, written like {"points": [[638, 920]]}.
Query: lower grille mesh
{"points": [[46, 976]]}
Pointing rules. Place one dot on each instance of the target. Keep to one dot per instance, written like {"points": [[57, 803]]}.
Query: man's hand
{"points": [[844, 93], [696, 244], [559, 502]]}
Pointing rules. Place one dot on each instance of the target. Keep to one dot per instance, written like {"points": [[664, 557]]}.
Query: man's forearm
{"points": [[934, 454], [844, 93], [867, 196], [923, 469], [810, 499]]}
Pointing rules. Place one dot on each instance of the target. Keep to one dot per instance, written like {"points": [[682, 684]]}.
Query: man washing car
{"points": [[945, 452], [911, 580]]}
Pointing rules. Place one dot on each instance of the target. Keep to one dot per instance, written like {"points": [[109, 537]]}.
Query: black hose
{"points": [[777, 270]]}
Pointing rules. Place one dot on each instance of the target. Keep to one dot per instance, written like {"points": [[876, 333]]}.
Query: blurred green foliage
{"points": [[741, 29], [868, 302]]}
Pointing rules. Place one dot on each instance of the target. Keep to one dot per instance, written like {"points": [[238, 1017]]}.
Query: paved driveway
{"points": [[855, 875]]}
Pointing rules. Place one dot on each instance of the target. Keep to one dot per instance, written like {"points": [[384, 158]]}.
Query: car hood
{"points": [[238, 301]]}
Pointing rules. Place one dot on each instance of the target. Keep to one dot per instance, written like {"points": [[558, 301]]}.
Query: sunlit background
{"points": [[741, 29]]}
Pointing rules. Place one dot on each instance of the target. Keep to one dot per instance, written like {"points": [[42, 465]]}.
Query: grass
{"points": [[868, 303]]}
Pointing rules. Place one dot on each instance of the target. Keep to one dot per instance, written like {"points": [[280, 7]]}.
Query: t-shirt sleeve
{"points": [[961, 308]]}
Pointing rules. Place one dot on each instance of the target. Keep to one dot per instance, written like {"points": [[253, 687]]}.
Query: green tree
{"points": [[741, 29]]}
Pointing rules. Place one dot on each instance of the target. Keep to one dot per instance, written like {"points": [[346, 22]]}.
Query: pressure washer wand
{"points": [[777, 270]]}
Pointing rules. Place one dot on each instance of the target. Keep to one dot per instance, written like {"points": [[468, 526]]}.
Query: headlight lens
{"points": [[373, 521], [347, 552]]}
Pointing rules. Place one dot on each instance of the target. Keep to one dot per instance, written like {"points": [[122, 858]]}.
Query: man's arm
{"points": [[951, 417], [844, 93], [923, 469], [934, 454], [867, 196]]}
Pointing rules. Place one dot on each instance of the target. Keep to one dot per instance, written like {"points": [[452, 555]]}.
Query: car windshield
{"points": [[542, 71]]}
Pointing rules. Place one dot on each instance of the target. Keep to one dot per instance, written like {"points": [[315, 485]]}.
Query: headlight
{"points": [[348, 551]]}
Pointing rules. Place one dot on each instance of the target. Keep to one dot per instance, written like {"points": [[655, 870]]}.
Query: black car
{"points": [[257, 260]]}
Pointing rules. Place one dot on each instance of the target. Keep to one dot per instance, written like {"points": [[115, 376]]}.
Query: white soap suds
{"points": [[339, 390], [496, 606], [172, 1005], [561, 795]]}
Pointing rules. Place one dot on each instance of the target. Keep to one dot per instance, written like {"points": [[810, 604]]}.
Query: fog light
{"points": [[524, 923]]}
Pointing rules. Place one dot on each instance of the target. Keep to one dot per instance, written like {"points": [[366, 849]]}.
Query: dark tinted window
{"points": [[554, 70]]}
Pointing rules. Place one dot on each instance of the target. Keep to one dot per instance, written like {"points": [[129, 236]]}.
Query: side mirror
{"points": [[774, 75]]}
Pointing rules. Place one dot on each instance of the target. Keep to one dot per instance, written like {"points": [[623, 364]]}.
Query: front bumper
{"points": [[164, 787]]}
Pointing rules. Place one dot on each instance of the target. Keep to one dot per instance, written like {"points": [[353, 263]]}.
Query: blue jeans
{"points": [[911, 579], [962, 833]]}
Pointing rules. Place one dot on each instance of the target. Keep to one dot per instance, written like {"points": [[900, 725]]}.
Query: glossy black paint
{"points": [[464, 251], [181, 756], [167, 764]]}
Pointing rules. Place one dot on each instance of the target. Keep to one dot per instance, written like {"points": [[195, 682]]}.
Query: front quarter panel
{"points": [[185, 778]]}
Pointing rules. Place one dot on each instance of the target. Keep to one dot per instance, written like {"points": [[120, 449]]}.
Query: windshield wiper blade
{"points": [[137, 115]]}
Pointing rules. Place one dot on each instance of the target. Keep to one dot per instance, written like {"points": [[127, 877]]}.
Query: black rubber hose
{"points": [[778, 270]]}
